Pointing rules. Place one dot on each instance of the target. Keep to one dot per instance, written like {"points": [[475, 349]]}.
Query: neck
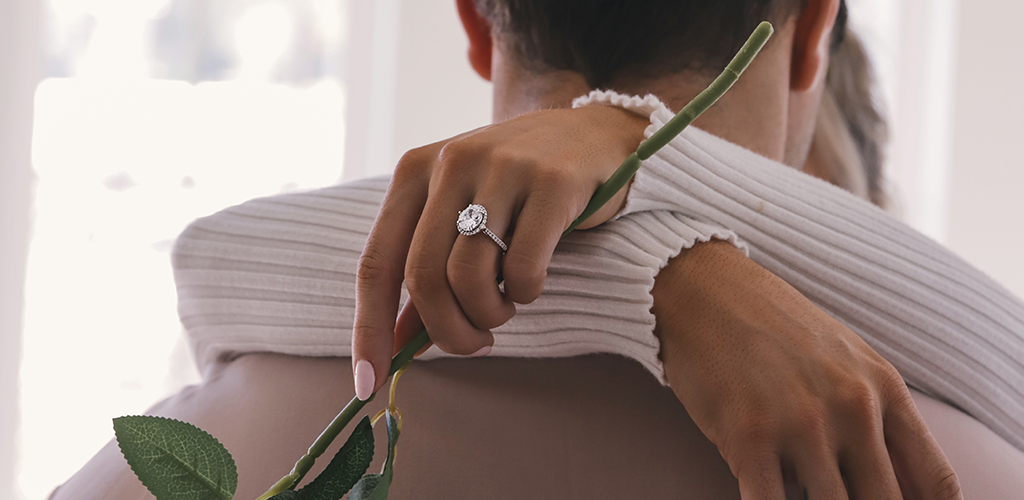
{"points": [[753, 114]]}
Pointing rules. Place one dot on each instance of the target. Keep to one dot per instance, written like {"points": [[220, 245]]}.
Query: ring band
{"points": [[473, 220]]}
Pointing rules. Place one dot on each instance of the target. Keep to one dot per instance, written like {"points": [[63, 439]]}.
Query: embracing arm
{"points": [[784, 390], [949, 329]]}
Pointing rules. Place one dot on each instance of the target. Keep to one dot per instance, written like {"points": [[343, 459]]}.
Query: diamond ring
{"points": [[473, 220]]}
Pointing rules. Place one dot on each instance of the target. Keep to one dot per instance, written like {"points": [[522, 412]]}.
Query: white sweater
{"points": [[277, 274]]}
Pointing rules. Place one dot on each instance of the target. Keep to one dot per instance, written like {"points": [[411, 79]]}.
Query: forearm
{"points": [[681, 288], [949, 329], [680, 291]]}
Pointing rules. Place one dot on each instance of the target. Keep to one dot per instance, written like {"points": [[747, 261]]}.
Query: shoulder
{"points": [[275, 274], [357, 199], [300, 221]]}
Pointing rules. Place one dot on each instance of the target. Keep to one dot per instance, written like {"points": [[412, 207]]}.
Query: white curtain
{"points": [[20, 69]]}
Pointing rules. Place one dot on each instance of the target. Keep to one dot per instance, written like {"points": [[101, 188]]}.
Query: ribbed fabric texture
{"points": [[948, 328], [278, 275]]}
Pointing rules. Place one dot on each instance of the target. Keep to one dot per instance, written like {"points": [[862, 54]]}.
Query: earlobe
{"points": [[478, 30], [812, 42]]}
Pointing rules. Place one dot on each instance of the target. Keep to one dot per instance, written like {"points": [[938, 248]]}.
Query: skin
{"points": [[788, 394], [845, 426]]}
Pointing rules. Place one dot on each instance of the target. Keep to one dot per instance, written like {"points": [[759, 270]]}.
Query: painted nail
{"points": [[483, 351], [365, 378]]}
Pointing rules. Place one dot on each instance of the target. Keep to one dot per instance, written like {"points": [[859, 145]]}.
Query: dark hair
{"points": [[605, 40]]}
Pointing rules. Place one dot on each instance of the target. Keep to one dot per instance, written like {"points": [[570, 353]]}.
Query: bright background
{"points": [[123, 120]]}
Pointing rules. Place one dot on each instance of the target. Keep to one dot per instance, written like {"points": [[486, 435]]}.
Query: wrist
{"points": [[688, 285]]}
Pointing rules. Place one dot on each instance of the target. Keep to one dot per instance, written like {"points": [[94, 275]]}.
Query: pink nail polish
{"points": [[483, 351], [365, 379]]}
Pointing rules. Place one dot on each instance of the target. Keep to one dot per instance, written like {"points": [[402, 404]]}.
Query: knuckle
{"points": [[411, 163], [898, 399], [422, 280], [456, 155], [373, 266], [892, 384], [860, 403], [524, 277], [469, 280], [486, 320], [467, 276], [946, 485], [454, 342], [363, 337]]}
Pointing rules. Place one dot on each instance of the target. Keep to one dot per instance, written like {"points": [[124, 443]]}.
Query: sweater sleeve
{"points": [[277, 274], [948, 328]]}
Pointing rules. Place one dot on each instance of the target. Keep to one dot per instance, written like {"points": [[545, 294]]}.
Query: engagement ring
{"points": [[473, 220]]}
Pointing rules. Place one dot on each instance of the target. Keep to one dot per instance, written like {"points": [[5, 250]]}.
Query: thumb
{"points": [[609, 210]]}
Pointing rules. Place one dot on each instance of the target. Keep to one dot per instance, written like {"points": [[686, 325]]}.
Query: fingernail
{"points": [[364, 379], [483, 351]]}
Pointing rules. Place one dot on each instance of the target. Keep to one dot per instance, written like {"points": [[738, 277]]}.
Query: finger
{"points": [[809, 455], [862, 452], [762, 480], [539, 227], [408, 326], [426, 277], [868, 468], [919, 463], [608, 210], [819, 477], [474, 264], [380, 273]]}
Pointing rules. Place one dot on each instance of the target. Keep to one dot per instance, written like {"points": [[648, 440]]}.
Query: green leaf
{"points": [[345, 468], [176, 460], [376, 486], [286, 495]]}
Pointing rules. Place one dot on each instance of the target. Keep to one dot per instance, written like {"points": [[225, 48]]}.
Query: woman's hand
{"points": [[534, 174], [786, 392]]}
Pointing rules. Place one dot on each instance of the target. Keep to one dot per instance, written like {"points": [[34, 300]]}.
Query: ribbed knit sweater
{"points": [[277, 274]]}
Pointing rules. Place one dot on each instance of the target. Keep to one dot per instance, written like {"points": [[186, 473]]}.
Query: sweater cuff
{"points": [[639, 198], [646, 190], [645, 106]]}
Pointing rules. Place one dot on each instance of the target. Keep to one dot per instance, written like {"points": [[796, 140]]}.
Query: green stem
{"points": [[677, 124], [340, 421], [605, 192]]}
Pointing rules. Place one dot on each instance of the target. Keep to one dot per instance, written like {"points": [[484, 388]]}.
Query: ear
{"points": [[479, 32], [812, 42]]}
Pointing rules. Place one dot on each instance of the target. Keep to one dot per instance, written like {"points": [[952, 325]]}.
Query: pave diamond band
{"points": [[473, 220], [504, 247]]}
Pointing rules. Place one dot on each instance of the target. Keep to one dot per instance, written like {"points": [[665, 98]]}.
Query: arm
{"points": [[950, 330], [309, 240], [417, 204], [786, 391]]}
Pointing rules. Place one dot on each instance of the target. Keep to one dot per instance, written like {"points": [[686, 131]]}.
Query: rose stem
{"points": [[677, 124]]}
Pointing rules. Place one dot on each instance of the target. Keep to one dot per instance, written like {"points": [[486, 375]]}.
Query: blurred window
{"points": [[153, 113]]}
